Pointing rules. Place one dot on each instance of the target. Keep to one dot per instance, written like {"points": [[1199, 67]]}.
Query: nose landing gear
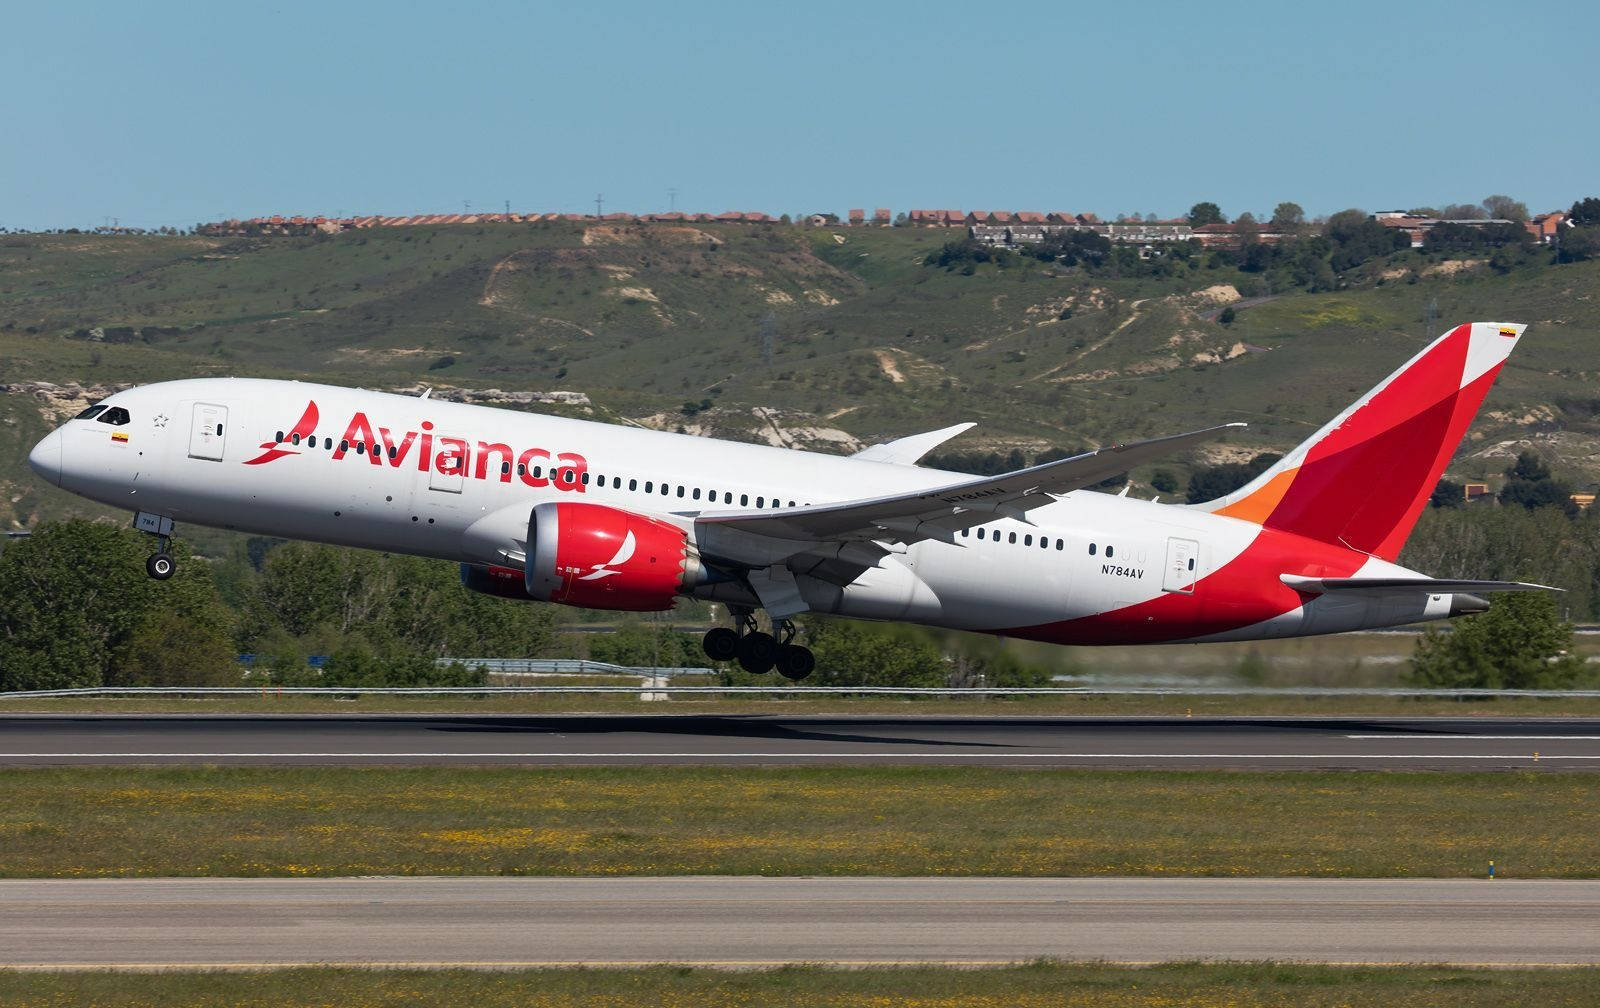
{"points": [[160, 565], [756, 651]]}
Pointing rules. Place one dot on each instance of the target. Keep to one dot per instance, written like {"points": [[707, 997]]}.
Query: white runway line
{"points": [[1544, 757], [1470, 738]]}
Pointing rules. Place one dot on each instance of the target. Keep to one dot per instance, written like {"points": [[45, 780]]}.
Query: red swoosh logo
{"points": [[303, 427]]}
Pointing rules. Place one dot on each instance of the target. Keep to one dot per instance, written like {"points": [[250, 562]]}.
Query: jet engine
{"points": [[600, 557]]}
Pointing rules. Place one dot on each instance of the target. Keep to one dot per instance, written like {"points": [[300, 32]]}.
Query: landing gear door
{"points": [[1182, 570], [208, 431]]}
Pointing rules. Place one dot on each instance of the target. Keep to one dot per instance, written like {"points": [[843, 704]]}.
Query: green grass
{"points": [[1041, 985], [120, 822], [1053, 706]]}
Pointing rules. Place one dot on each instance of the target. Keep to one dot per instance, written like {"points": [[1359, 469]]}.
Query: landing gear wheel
{"points": [[721, 644], [795, 662], [160, 566], [758, 652]]}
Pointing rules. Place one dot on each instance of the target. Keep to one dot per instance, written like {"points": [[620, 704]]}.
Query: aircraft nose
{"points": [[46, 457]]}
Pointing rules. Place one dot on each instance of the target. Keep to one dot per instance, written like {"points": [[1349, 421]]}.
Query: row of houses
{"points": [[278, 224], [1544, 228], [1125, 232]]}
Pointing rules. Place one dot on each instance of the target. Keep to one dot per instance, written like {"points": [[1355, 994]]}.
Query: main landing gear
{"points": [[756, 651]]}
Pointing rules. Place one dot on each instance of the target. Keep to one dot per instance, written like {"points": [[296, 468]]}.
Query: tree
{"points": [[1227, 315], [1288, 217], [1520, 643], [1447, 493], [1530, 483], [1578, 244], [850, 653], [1501, 207], [1463, 211], [76, 609], [1210, 482], [1247, 229], [1585, 212], [1205, 213], [1164, 481]]}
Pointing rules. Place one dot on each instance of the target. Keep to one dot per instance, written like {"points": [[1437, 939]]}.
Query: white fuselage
{"points": [[208, 451]]}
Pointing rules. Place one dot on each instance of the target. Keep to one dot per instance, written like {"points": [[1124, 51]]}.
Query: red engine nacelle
{"points": [[599, 557]]}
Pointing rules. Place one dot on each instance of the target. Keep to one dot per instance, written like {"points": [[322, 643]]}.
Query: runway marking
{"points": [[731, 964], [843, 754], [1468, 738]]}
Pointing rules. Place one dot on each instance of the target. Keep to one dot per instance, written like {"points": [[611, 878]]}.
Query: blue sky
{"points": [[161, 113]]}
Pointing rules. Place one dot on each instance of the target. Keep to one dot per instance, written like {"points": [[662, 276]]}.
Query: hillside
{"points": [[672, 326]]}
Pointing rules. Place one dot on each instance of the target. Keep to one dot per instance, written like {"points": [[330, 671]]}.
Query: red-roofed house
{"points": [[881, 216], [1030, 217], [858, 216], [1546, 227]]}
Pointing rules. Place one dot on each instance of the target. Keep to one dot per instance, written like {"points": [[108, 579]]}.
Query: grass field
{"points": [[1042, 985], [1054, 706], [118, 822]]}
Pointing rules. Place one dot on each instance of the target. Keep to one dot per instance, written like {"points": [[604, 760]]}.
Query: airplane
{"points": [[600, 516]]}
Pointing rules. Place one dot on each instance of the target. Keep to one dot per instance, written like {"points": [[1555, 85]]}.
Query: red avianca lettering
{"points": [[446, 454]]}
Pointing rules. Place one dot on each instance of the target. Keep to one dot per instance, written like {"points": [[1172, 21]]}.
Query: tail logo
{"points": [[624, 554], [274, 450]]}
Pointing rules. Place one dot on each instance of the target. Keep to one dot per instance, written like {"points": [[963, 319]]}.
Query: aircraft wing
{"points": [[940, 512]]}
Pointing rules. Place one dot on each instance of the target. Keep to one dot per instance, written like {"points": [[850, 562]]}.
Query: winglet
{"points": [[907, 450]]}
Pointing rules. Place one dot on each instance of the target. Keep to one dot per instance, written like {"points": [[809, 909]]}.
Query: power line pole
{"points": [[599, 204], [769, 336], [672, 199]]}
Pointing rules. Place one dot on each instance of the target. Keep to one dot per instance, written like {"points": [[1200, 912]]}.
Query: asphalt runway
{"points": [[734, 922], [575, 740]]}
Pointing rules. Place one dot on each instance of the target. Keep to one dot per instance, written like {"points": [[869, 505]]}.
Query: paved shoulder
{"points": [[761, 921]]}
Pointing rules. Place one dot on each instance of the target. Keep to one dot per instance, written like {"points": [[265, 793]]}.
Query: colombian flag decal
{"points": [[119, 437]]}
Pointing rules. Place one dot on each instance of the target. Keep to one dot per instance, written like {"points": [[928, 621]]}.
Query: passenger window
{"points": [[1061, 544], [633, 484], [1191, 563], [696, 493], [393, 451], [1110, 552], [1044, 543], [680, 491], [522, 468], [98, 408], [983, 533], [649, 486], [344, 444], [280, 437], [1013, 539], [761, 502], [361, 447], [505, 468], [744, 500], [585, 479], [727, 497], [1091, 549], [1027, 540], [294, 438]]}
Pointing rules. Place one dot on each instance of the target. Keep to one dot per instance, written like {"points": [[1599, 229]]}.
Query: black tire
{"points": [[721, 644], [795, 662], [160, 566], [758, 652]]}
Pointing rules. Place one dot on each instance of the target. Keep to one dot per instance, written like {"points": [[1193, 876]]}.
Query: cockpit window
{"points": [[91, 412], [116, 416]]}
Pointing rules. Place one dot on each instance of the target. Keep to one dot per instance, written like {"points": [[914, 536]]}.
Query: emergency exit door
{"points": [[208, 431], [1183, 562]]}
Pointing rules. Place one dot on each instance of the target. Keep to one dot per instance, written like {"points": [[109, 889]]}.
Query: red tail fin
{"points": [[1362, 480]]}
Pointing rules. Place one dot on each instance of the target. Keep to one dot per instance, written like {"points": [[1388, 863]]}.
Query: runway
{"points": [[576, 740], [502, 922]]}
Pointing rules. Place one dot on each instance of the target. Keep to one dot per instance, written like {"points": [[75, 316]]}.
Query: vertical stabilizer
{"points": [[1362, 480]]}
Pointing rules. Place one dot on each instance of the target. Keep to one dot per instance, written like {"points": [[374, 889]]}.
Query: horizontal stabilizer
{"points": [[1391, 585]]}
